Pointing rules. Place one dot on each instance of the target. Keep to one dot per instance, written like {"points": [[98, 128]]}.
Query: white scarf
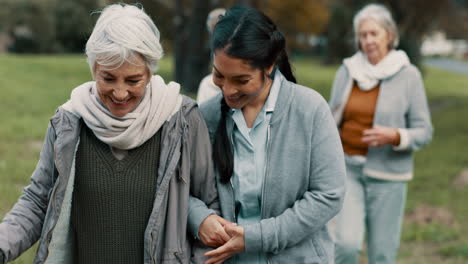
{"points": [[368, 75], [159, 104]]}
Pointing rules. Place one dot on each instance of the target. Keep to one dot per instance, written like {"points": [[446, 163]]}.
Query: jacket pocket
{"points": [[173, 257], [319, 249], [305, 252]]}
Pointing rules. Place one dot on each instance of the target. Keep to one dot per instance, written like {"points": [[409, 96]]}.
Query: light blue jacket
{"points": [[402, 104], [185, 183], [304, 181]]}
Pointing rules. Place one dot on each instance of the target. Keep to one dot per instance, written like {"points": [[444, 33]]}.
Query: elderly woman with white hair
{"points": [[379, 104], [125, 169]]}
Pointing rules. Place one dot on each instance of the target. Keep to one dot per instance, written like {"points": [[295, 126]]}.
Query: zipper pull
{"points": [[268, 133]]}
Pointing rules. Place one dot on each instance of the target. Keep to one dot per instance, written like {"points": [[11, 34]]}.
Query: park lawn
{"points": [[437, 216]]}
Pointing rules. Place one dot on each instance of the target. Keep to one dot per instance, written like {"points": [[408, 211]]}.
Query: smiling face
{"points": [[122, 89], [240, 83], [374, 40]]}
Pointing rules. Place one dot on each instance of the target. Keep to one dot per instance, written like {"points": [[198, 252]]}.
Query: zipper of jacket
{"points": [[234, 216], [178, 257], [264, 180], [233, 201], [152, 253], [49, 233], [183, 138], [265, 172], [53, 199], [153, 239]]}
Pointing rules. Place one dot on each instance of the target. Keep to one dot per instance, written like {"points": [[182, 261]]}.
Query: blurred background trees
{"points": [[318, 27], [298, 20]]}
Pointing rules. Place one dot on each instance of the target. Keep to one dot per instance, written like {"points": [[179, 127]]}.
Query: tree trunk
{"points": [[180, 38], [198, 54], [191, 48]]}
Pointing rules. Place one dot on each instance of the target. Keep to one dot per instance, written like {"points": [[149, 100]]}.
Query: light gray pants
{"points": [[374, 207]]}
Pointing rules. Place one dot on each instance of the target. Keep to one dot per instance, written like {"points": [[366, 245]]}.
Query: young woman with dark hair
{"points": [[277, 152]]}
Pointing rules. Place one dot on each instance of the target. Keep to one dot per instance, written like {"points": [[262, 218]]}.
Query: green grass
{"points": [[433, 232], [34, 86]]}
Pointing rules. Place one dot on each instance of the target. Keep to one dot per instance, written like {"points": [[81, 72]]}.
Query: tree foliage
{"points": [[47, 26], [455, 21], [30, 25], [191, 48], [74, 23], [298, 18]]}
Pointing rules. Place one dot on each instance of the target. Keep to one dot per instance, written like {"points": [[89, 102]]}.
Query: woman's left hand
{"points": [[234, 246], [380, 136]]}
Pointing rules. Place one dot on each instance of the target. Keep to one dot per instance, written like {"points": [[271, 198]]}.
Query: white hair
{"points": [[382, 16], [213, 18], [121, 33]]}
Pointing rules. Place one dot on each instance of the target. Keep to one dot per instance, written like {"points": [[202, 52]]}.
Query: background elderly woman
{"points": [[126, 161], [379, 103]]}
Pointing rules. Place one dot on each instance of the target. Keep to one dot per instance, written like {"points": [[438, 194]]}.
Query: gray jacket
{"points": [[185, 184], [304, 181], [402, 104]]}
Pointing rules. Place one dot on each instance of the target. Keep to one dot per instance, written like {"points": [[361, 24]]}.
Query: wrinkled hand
{"points": [[211, 231], [381, 136], [234, 246]]}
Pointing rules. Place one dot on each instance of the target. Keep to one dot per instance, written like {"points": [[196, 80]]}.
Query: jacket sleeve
{"points": [[418, 132], [320, 202], [22, 226], [204, 196], [203, 193]]}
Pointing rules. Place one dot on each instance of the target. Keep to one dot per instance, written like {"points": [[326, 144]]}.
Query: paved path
{"points": [[448, 64]]}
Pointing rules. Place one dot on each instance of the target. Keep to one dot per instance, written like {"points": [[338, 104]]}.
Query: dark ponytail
{"points": [[222, 150], [248, 34], [282, 59]]}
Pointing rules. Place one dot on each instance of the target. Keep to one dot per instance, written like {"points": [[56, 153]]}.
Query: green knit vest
{"points": [[112, 200]]}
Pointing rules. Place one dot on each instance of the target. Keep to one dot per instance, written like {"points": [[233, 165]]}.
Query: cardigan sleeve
{"points": [[418, 132]]}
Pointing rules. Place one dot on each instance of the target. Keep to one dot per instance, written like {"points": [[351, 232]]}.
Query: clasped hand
{"points": [[228, 237], [380, 136]]}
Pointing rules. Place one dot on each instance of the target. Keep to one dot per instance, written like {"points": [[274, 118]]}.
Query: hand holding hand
{"points": [[211, 231], [381, 136], [234, 246]]}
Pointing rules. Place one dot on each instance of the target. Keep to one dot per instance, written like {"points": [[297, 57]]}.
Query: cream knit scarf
{"points": [[159, 104], [368, 75]]}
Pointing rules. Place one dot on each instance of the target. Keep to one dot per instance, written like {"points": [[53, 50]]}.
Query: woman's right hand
{"points": [[211, 231], [234, 246], [380, 136]]}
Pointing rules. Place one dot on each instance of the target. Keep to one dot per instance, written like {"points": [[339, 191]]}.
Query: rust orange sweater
{"points": [[358, 116]]}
